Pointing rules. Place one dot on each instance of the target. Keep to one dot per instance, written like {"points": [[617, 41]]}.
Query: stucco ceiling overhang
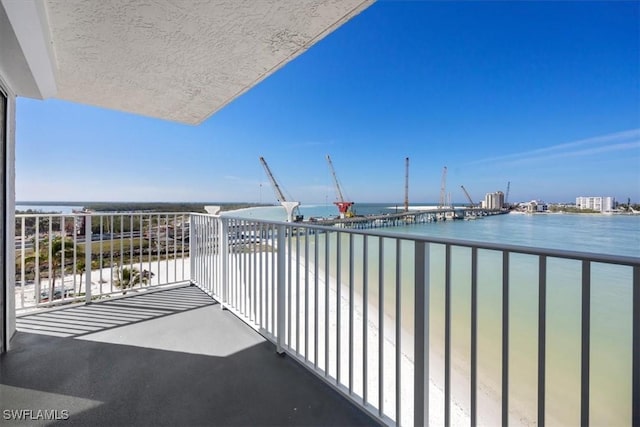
{"points": [[180, 60]]}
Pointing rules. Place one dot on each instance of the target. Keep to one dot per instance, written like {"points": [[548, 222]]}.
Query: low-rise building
{"points": [[536, 206]]}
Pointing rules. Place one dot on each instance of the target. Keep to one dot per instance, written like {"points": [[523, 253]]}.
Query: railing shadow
{"points": [[80, 320], [172, 357]]}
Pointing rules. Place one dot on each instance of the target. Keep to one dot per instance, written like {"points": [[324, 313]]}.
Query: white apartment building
{"points": [[536, 206], [599, 203], [493, 200]]}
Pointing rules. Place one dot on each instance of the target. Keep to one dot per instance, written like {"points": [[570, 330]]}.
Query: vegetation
{"points": [[42, 223], [570, 209], [628, 206], [162, 207], [81, 268], [129, 277], [61, 251]]}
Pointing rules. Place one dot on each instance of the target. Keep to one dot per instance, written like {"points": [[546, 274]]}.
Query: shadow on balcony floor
{"points": [[171, 357]]}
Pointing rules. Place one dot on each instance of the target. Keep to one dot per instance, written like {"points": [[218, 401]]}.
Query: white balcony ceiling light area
{"points": [[180, 60]]}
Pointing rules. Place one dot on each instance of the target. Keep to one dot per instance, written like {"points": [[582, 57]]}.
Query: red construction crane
{"points": [[343, 206]]}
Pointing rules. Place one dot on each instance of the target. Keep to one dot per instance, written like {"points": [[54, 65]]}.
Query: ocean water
{"points": [[64, 209], [605, 234], [611, 318]]}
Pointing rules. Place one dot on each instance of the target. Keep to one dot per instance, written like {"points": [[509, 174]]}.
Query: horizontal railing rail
{"points": [[394, 321], [62, 258]]}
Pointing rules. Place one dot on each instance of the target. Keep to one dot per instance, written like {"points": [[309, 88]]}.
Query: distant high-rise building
{"points": [[599, 203], [493, 200]]}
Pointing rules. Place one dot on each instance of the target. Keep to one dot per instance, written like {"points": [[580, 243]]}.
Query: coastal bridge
{"points": [[406, 218]]}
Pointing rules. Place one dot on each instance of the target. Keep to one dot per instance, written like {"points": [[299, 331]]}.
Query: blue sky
{"points": [[545, 95]]}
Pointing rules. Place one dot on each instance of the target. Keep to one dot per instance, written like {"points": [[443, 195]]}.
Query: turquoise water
{"points": [[606, 234], [611, 318]]}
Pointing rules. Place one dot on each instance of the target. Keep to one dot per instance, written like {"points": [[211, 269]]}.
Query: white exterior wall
{"points": [[596, 203], [7, 223], [536, 206], [494, 200], [608, 204]]}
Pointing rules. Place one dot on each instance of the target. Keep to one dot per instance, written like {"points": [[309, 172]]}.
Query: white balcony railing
{"points": [[417, 330], [414, 330], [127, 252]]}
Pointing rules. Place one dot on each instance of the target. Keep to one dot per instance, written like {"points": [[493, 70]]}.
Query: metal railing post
{"points": [[447, 336], [585, 354], [87, 257], [474, 339], [542, 340], [635, 364], [280, 289], [421, 328], [505, 338], [192, 250], [223, 238]]}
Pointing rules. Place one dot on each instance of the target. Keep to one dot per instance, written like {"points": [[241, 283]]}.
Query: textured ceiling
{"points": [[180, 60]]}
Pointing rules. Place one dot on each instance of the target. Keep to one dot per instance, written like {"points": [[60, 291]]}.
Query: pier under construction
{"points": [[407, 218]]}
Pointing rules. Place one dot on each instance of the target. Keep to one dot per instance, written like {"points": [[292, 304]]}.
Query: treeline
{"points": [[570, 209], [119, 222], [161, 207]]}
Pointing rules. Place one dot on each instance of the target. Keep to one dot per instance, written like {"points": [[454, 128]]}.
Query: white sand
{"points": [[102, 281]]}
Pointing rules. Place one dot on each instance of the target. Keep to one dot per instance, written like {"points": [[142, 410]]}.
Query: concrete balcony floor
{"points": [[170, 357]]}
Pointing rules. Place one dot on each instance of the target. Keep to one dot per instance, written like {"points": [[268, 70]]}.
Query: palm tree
{"points": [[60, 248], [128, 277], [81, 269]]}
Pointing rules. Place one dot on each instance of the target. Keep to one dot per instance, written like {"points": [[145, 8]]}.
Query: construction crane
{"points": [[344, 207], [506, 195], [290, 207], [466, 193], [406, 185], [443, 188]]}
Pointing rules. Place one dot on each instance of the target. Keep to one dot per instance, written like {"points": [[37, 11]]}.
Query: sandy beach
{"points": [[103, 281]]}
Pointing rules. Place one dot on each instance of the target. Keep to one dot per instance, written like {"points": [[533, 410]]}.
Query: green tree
{"points": [[59, 248], [81, 269], [128, 277]]}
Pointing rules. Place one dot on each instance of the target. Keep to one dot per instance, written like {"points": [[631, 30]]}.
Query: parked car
{"points": [[57, 294]]}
